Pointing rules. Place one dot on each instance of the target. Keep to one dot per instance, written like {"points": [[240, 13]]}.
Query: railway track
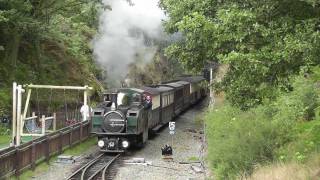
{"points": [[95, 169]]}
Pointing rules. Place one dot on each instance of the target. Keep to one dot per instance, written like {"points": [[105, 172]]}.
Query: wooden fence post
{"points": [[81, 132], [33, 155], [18, 162], [70, 136], [47, 148], [60, 141]]}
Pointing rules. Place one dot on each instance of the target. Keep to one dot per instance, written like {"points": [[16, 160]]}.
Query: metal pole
{"points": [[211, 89], [85, 96], [58, 87], [14, 114], [54, 121], [43, 125], [25, 110], [19, 117], [85, 101]]}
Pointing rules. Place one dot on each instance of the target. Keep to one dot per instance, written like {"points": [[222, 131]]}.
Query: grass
{"points": [[82, 147], [289, 170], [193, 158], [40, 168], [44, 166], [4, 141]]}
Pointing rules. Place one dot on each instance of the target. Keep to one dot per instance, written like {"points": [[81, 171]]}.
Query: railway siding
{"points": [[16, 159], [95, 169]]}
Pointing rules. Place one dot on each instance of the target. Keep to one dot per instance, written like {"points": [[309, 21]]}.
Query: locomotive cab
{"points": [[121, 119]]}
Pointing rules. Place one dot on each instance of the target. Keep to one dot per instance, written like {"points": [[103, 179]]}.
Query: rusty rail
{"points": [[14, 160]]}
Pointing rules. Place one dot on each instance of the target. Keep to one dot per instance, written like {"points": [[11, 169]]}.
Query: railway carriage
{"points": [[156, 109], [186, 94], [178, 97], [167, 106], [196, 88]]}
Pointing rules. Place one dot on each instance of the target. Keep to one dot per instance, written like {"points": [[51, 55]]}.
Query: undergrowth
{"points": [[282, 130]]}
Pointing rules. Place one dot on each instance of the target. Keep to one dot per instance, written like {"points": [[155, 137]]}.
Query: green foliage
{"points": [[283, 129], [5, 136], [238, 141], [306, 141], [264, 42], [82, 147], [46, 42]]}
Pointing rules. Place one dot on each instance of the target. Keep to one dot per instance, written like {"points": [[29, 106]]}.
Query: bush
{"points": [[239, 140]]}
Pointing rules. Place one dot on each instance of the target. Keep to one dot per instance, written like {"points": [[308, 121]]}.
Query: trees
{"points": [[46, 41], [28, 27], [264, 42]]}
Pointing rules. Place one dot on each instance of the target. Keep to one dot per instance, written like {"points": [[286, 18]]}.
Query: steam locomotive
{"points": [[127, 115]]}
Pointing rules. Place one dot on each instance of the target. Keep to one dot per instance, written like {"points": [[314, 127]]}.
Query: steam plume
{"points": [[125, 33]]}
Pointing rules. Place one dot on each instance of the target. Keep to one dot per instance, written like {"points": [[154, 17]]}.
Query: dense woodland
{"points": [[46, 42], [270, 113]]}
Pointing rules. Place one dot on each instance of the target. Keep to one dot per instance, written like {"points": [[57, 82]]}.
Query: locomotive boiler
{"points": [[121, 119]]}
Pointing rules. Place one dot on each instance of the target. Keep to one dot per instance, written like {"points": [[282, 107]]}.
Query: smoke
{"points": [[126, 31]]}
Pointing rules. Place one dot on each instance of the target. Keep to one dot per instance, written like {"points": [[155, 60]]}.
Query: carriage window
{"points": [[165, 100]]}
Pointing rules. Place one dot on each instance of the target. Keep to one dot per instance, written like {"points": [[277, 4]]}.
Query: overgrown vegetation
{"points": [[282, 130], [271, 86]]}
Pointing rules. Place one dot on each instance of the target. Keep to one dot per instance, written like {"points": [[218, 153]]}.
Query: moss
{"points": [[193, 158]]}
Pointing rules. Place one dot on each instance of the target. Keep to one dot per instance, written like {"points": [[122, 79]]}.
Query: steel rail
{"points": [[103, 169], [107, 166], [80, 170]]}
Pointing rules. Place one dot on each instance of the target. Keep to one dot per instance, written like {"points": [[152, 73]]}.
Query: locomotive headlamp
{"points": [[101, 143], [125, 144]]}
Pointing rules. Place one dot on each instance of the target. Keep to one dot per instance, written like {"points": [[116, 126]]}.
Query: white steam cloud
{"points": [[124, 31]]}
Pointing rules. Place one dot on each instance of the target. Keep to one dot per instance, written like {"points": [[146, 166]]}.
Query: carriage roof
{"points": [[193, 79]]}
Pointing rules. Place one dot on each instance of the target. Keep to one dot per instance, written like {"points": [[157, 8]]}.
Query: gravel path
{"points": [[187, 146]]}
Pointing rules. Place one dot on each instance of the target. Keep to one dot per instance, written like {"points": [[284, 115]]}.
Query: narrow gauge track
{"points": [[95, 169]]}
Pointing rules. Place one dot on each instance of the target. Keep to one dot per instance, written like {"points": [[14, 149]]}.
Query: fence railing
{"points": [[14, 160]]}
